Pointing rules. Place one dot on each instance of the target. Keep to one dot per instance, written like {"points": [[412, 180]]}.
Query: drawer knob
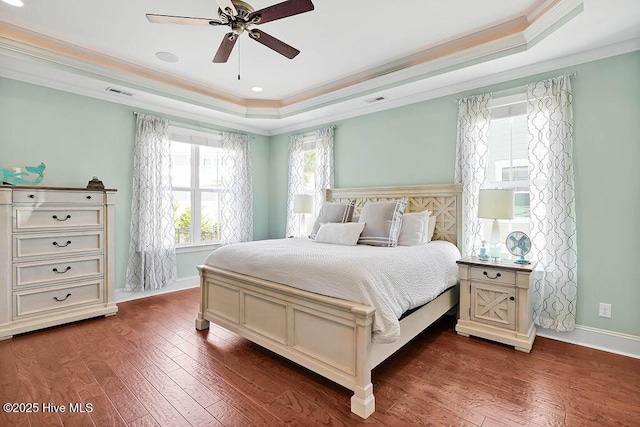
{"points": [[494, 277], [89, 197], [32, 196], [62, 246], [58, 219], [55, 270], [512, 298], [63, 299]]}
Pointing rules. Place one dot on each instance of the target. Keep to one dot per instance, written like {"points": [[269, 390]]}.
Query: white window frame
{"points": [[196, 139]]}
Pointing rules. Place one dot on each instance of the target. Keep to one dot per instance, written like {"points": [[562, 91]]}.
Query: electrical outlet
{"points": [[605, 310]]}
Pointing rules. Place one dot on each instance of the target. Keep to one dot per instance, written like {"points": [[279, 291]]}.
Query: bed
{"points": [[331, 336]]}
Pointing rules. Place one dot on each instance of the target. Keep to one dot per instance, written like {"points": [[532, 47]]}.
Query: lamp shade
{"points": [[495, 204], [302, 203]]}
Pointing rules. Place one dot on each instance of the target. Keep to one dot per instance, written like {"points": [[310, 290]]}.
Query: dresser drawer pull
{"points": [[494, 277], [55, 270], [89, 197], [58, 219], [32, 196], [63, 299], [512, 298], [62, 246]]}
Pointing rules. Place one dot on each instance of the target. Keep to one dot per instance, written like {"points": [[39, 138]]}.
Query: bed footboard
{"points": [[329, 336]]}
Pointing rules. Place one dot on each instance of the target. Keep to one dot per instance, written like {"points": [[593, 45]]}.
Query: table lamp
{"points": [[302, 205], [495, 205]]}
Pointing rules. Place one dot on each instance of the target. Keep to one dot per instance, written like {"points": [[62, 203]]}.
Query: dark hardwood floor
{"points": [[149, 366]]}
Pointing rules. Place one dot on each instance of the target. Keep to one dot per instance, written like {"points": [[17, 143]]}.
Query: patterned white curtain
{"points": [[553, 214], [152, 254], [295, 181], [236, 197], [474, 118], [324, 164]]}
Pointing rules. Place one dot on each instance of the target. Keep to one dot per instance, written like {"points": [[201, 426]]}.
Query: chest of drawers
{"points": [[56, 256]]}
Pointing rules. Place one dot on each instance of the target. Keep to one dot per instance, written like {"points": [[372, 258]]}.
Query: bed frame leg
{"points": [[201, 323], [363, 403]]}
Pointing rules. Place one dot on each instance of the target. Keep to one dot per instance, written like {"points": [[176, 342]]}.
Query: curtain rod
{"points": [[574, 74], [310, 133], [197, 127]]}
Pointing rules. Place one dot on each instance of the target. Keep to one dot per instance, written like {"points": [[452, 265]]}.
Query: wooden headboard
{"points": [[443, 200]]}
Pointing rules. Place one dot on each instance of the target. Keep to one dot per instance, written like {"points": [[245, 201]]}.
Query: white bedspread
{"points": [[393, 280]]}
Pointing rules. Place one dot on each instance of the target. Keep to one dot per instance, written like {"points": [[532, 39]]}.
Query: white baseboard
{"points": [[600, 339], [121, 295]]}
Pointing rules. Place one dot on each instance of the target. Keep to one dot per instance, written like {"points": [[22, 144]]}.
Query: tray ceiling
{"points": [[350, 51]]}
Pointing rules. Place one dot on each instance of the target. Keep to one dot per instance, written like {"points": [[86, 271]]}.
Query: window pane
{"points": [[182, 216], [521, 204], [508, 163], [210, 223], [180, 164], [309, 171], [209, 164]]}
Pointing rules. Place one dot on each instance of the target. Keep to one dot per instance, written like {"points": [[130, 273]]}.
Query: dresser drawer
{"points": [[40, 301], [50, 272], [26, 246], [57, 217], [43, 196], [499, 276]]}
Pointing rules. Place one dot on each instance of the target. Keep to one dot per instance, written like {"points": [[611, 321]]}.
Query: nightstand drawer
{"points": [[38, 301], [57, 217], [50, 272], [493, 275]]}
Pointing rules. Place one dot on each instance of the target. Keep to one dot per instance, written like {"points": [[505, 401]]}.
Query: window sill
{"points": [[201, 247]]}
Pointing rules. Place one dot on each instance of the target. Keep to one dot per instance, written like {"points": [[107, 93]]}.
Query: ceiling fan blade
{"points": [[227, 4], [273, 43], [170, 19], [225, 48], [281, 10]]}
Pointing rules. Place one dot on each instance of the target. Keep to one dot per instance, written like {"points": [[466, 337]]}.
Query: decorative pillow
{"points": [[332, 212], [383, 222], [431, 228], [340, 234], [414, 229]]}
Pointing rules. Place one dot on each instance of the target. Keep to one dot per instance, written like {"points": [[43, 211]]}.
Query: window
{"points": [[508, 159], [309, 150], [508, 156], [195, 186]]}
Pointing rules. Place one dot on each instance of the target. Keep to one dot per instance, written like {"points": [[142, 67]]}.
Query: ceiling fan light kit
{"points": [[241, 17]]}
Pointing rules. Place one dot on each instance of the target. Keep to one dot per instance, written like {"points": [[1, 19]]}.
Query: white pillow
{"points": [[338, 233], [430, 228], [415, 226]]}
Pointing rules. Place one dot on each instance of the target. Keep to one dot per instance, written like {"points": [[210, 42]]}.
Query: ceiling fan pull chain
{"points": [[239, 60]]}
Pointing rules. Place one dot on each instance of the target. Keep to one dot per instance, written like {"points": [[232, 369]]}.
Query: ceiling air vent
{"points": [[118, 91], [376, 99]]}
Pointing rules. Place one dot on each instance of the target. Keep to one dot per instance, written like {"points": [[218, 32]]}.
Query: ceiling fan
{"points": [[241, 17]]}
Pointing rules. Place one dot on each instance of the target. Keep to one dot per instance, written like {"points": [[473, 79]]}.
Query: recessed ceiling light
{"points": [[17, 3], [166, 57], [256, 89]]}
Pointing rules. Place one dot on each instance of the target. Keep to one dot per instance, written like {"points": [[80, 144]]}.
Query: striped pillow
{"points": [[332, 212], [383, 221]]}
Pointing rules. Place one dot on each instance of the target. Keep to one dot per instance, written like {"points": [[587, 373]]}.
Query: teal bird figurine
{"points": [[16, 178]]}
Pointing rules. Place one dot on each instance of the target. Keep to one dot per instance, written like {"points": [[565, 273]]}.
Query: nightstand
{"points": [[495, 302]]}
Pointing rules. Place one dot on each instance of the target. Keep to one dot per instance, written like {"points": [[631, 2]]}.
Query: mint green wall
{"points": [[78, 137], [415, 144]]}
